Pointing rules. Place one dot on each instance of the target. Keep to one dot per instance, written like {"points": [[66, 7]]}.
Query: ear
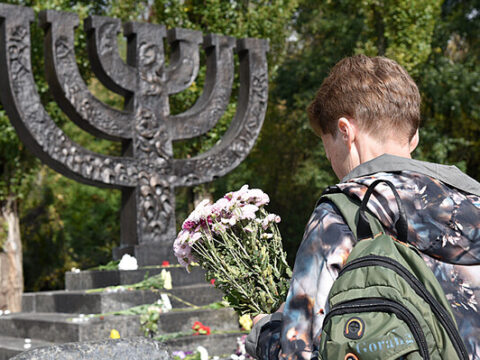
{"points": [[414, 142], [347, 129]]}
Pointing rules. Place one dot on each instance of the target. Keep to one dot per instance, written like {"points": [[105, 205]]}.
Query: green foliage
{"points": [[437, 44], [149, 320], [155, 282], [401, 30], [60, 228], [111, 265], [66, 224]]}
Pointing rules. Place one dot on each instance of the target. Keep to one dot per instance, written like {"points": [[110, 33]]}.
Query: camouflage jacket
{"points": [[443, 211]]}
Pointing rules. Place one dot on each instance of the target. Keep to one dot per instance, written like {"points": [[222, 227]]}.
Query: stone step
{"points": [[11, 346], [102, 278], [65, 327], [222, 345], [81, 301]]}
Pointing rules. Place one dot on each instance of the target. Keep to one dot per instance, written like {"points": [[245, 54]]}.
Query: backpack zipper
{"points": [[388, 306], [420, 290]]}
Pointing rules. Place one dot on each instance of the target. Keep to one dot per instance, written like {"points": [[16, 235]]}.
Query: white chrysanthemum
{"points": [[128, 262]]}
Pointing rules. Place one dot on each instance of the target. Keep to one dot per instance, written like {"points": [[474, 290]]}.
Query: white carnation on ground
{"points": [[128, 262], [167, 279], [203, 353]]}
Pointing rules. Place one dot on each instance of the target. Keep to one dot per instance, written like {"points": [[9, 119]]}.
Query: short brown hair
{"points": [[375, 91]]}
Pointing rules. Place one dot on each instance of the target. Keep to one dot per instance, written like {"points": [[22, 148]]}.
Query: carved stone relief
{"points": [[147, 170]]}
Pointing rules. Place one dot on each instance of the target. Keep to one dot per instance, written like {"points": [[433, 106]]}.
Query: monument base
{"points": [[147, 254], [118, 252], [155, 253]]}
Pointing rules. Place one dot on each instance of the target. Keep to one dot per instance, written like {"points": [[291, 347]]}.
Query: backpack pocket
{"points": [[368, 329]]}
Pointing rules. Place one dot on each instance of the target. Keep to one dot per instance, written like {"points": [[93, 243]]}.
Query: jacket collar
{"points": [[447, 174]]}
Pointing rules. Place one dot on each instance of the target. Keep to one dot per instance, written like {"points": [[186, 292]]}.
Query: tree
{"points": [[17, 175], [420, 35], [450, 86]]}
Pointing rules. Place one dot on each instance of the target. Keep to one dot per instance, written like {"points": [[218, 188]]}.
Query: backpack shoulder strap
{"points": [[349, 209]]}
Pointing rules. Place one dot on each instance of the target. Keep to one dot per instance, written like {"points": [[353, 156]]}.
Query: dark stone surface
{"points": [[98, 279], [146, 172], [81, 302], [66, 328], [121, 349], [217, 344], [10, 346]]}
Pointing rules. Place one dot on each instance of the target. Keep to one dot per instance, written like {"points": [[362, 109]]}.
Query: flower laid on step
{"points": [[199, 354], [203, 353], [81, 318], [181, 355], [241, 352], [165, 263], [167, 279], [27, 343], [164, 302], [114, 334], [128, 262], [239, 245], [246, 322], [149, 319], [200, 329]]}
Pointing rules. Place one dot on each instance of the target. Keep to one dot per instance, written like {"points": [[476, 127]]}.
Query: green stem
{"points": [[223, 269]]}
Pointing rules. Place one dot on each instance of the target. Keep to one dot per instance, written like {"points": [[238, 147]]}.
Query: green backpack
{"points": [[386, 303]]}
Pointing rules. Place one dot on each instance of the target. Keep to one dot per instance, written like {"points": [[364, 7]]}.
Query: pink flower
{"points": [[248, 212], [248, 229], [257, 197], [242, 194], [195, 237], [183, 250], [269, 219], [188, 225], [219, 227], [183, 261], [182, 236], [202, 211], [230, 221], [222, 205]]}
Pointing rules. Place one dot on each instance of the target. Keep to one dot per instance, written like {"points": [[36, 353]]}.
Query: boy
{"points": [[367, 113]]}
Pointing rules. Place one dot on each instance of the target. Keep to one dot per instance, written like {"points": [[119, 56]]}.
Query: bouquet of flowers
{"points": [[238, 243]]}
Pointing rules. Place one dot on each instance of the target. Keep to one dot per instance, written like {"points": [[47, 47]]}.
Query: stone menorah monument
{"points": [[146, 171]]}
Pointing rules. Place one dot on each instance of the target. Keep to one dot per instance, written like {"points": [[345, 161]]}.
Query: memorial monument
{"points": [[146, 171]]}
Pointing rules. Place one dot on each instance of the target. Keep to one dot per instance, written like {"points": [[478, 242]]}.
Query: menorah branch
{"points": [[67, 85], [245, 127], [213, 102], [104, 55], [33, 124]]}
